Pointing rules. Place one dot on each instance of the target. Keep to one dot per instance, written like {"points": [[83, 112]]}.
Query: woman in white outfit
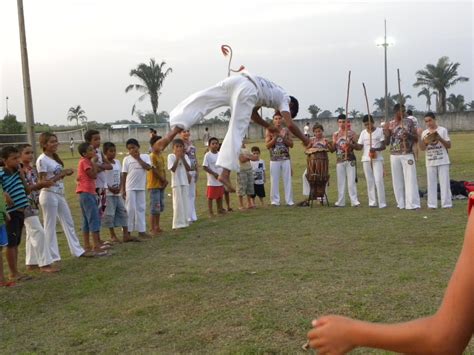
{"points": [[52, 200], [245, 94]]}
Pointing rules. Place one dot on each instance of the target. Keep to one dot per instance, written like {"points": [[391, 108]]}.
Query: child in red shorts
{"points": [[215, 189]]}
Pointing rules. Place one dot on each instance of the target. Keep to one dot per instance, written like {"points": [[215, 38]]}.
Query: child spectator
{"points": [[115, 214], [156, 184], [179, 164], [14, 187], [86, 175], [245, 178], [259, 176], [226, 190], [134, 169], [205, 137], [38, 254], [190, 150], [215, 189], [3, 238]]}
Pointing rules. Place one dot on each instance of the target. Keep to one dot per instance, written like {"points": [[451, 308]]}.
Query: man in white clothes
{"points": [[345, 163], [435, 141], [245, 94], [401, 134], [372, 141]]}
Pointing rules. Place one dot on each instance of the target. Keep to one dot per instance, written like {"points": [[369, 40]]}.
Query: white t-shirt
{"points": [[306, 130], [377, 139], [436, 154], [112, 177], [270, 94], [136, 175], [209, 161], [179, 177], [258, 168], [100, 181], [52, 168]]}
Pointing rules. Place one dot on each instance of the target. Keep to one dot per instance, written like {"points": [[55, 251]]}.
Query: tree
{"points": [[151, 79], [440, 77], [325, 114], [11, 125], [227, 114], [427, 94], [314, 110], [339, 110], [76, 113], [150, 117], [354, 113], [380, 104], [471, 105], [396, 98], [456, 103]]}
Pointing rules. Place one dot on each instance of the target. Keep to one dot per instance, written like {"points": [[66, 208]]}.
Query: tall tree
{"points": [[456, 103], [11, 125], [427, 93], [339, 110], [76, 113], [325, 114], [314, 110], [380, 104], [440, 77], [151, 79], [396, 98], [354, 113], [471, 105]]}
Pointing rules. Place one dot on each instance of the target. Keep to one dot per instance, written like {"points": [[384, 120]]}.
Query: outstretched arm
{"points": [[293, 127], [446, 332]]}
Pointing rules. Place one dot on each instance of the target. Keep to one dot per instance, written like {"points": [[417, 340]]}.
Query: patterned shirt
{"points": [[13, 186], [31, 178], [280, 151], [191, 150], [339, 139], [399, 146]]}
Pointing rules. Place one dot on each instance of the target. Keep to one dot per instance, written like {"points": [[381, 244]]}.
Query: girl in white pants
{"points": [[435, 141], [190, 150], [52, 201]]}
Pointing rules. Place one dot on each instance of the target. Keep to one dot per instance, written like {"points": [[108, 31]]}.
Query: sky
{"points": [[81, 51]]}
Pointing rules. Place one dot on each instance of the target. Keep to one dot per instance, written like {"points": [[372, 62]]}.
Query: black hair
{"points": [[212, 139], [132, 141], [341, 116], [396, 107], [7, 151], [430, 114], [366, 118], [255, 149], [152, 130], [177, 141], [277, 113], [107, 146], [21, 147], [294, 106], [154, 139], [206, 129], [89, 134], [82, 148], [409, 112], [318, 126]]}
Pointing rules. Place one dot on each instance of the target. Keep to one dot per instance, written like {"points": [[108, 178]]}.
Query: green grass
{"points": [[248, 282]]}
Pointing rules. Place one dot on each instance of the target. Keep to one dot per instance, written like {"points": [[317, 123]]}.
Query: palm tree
{"points": [[456, 103], [339, 110], [76, 113], [354, 113], [314, 110], [396, 99], [440, 77], [427, 94], [380, 104], [151, 78], [471, 105]]}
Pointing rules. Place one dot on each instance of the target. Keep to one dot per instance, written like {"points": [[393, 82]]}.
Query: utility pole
{"points": [[30, 121], [7, 105], [385, 45]]}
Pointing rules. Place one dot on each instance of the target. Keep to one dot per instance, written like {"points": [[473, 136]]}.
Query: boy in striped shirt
{"points": [[14, 187]]}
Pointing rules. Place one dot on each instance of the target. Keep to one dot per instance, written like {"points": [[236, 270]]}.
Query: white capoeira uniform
{"points": [[54, 206], [135, 199], [373, 168], [180, 187], [242, 93], [345, 170], [190, 150], [437, 170], [402, 162], [280, 165]]}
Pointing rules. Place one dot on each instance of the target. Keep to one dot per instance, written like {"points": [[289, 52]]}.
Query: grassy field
{"points": [[248, 282]]}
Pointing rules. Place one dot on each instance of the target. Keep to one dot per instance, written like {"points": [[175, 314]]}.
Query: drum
{"points": [[317, 172]]}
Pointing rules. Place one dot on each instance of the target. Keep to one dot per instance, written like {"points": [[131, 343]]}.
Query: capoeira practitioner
{"points": [[345, 163], [245, 94], [436, 142], [372, 161], [401, 135]]}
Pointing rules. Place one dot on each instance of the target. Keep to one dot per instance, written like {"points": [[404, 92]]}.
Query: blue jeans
{"points": [[157, 201], [90, 212]]}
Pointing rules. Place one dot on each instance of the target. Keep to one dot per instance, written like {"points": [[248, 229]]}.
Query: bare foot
{"points": [[144, 235], [49, 269], [225, 180], [130, 238]]}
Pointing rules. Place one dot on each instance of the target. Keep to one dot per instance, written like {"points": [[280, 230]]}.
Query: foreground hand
{"points": [[331, 335], [68, 172]]}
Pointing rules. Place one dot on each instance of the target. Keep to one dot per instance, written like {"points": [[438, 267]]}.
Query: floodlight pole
{"points": [[30, 121], [385, 45]]}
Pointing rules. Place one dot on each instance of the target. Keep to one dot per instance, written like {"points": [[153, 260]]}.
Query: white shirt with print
{"points": [[52, 168], [258, 168], [377, 139], [436, 154]]}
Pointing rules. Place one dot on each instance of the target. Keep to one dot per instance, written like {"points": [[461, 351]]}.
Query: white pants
{"points": [[434, 174], [405, 185], [307, 187], [240, 94], [135, 204], [375, 185], [54, 207], [346, 171], [192, 198], [281, 168], [37, 251], [180, 206]]}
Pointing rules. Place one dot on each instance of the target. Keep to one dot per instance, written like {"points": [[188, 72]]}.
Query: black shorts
{"points": [[259, 190], [14, 228]]}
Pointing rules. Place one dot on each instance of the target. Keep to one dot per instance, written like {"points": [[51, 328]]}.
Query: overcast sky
{"points": [[81, 51]]}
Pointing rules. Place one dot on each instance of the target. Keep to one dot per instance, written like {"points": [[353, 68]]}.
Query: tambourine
{"points": [[431, 138]]}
